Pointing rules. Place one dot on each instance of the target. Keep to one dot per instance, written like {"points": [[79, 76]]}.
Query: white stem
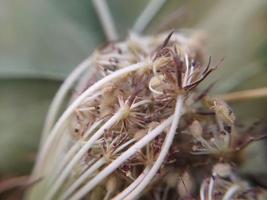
{"points": [[57, 150], [72, 151], [61, 94], [132, 186], [106, 19], [211, 188], [140, 103], [124, 145], [83, 177], [65, 160], [121, 159], [107, 196], [114, 119], [163, 153], [92, 128], [91, 170], [186, 75], [231, 192], [147, 15], [56, 130], [203, 190]]}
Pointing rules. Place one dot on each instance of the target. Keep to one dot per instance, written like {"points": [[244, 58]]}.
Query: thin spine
{"points": [[147, 15], [114, 119], [83, 177], [106, 19], [121, 159], [61, 94], [56, 130], [89, 172], [163, 153], [132, 186]]}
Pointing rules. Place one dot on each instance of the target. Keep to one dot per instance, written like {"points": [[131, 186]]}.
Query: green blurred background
{"points": [[41, 41]]}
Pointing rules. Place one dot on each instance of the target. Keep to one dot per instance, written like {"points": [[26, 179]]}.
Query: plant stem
{"points": [[114, 119], [121, 159], [211, 187], [231, 192], [61, 94], [106, 19], [203, 190], [245, 95], [147, 15], [73, 150], [132, 186], [83, 177], [163, 153], [56, 130]]}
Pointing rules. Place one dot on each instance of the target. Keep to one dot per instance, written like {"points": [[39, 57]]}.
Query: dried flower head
{"points": [[139, 122]]}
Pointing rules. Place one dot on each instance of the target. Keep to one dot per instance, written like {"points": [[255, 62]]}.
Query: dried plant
{"points": [[139, 128]]}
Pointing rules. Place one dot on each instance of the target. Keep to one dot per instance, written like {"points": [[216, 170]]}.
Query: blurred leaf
{"points": [[236, 30], [125, 14], [46, 39], [39, 40], [23, 105]]}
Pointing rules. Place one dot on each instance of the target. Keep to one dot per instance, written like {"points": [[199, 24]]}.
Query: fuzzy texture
{"points": [[140, 125]]}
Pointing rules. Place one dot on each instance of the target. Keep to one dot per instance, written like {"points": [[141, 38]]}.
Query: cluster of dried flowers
{"points": [[139, 129]]}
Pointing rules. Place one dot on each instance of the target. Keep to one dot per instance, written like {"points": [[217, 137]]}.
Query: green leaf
{"points": [[23, 106], [41, 40]]}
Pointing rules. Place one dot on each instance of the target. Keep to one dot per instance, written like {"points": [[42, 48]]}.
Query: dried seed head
{"points": [[196, 129], [223, 111], [123, 120]]}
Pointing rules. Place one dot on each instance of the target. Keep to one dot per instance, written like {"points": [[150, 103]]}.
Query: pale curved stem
{"points": [[92, 128], [107, 196], [114, 119], [72, 151], [61, 94], [124, 145], [231, 192], [65, 160], [132, 186], [140, 103], [83, 177], [56, 130], [211, 188], [121, 159], [106, 19], [244, 95], [203, 190], [91, 170], [147, 15], [163, 153]]}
